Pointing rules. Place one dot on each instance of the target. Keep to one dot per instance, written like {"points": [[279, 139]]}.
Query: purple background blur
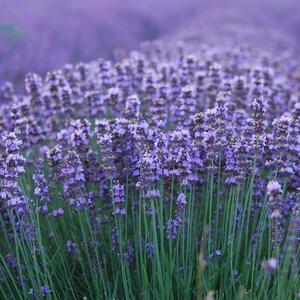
{"points": [[40, 35]]}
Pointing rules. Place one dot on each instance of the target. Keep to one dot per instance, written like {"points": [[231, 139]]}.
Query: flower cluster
{"points": [[135, 155]]}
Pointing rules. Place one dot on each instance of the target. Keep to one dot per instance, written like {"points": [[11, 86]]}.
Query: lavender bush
{"points": [[170, 173]]}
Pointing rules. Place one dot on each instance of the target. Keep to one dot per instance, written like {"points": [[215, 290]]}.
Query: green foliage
{"points": [[188, 267]]}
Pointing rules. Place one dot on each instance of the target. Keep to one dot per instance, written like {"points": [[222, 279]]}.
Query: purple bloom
{"points": [[72, 174], [129, 255], [270, 265], [55, 160], [152, 194], [274, 191], [132, 106], [150, 249], [45, 290], [10, 260], [41, 190], [80, 135], [184, 108], [107, 155], [72, 247], [118, 192], [173, 228], [273, 188], [258, 110], [115, 238], [11, 142], [57, 212], [181, 201], [158, 112]]}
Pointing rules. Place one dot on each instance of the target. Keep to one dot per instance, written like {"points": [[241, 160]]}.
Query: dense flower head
{"points": [[181, 201], [276, 214], [273, 188], [11, 142], [172, 227], [71, 247], [55, 155], [258, 110], [158, 112], [72, 171], [42, 191], [107, 155], [118, 192], [132, 106]]}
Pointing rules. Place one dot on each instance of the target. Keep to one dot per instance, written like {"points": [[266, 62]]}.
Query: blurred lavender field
{"points": [[41, 35]]}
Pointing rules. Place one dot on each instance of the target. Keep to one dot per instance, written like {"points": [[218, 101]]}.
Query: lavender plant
{"points": [[168, 174]]}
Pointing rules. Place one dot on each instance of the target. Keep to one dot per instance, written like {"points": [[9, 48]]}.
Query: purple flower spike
{"points": [[118, 191]]}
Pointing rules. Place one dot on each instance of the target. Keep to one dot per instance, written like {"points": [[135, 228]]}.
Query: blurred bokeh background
{"points": [[40, 35]]}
